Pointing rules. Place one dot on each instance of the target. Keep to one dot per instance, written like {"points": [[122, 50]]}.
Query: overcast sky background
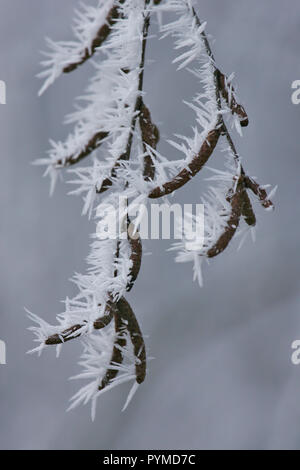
{"points": [[222, 375]]}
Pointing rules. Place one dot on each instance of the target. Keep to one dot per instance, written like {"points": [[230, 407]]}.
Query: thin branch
{"points": [[124, 315], [247, 181], [137, 108], [150, 137], [230, 98], [217, 88], [206, 150]]}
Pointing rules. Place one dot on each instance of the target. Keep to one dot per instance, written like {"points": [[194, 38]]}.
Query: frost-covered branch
{"points": [[228, 93], [224, 205], [129, 165]]}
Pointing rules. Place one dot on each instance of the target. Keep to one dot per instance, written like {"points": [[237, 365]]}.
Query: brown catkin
{"points": [[117, 356], [98, 324], [101, 36], [135, 256], [232, 224], [126, 313], [192, 169], [247, 210], [92, 145]]}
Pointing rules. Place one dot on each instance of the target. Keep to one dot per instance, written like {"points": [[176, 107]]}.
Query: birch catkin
{"points": [[126, 313], [117, 356], [231, 226], [102, 34], [192, 169]]}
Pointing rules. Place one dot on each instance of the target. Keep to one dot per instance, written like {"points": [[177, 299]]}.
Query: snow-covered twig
{"points": [[116, 117]]}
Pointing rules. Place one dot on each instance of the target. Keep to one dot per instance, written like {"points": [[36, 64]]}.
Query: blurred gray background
{"points": [[222, 375]]}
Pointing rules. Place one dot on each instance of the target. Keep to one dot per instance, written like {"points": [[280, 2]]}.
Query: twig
{"points": [[150, 137], [220, 89], [137, 109], [230, 98]]}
